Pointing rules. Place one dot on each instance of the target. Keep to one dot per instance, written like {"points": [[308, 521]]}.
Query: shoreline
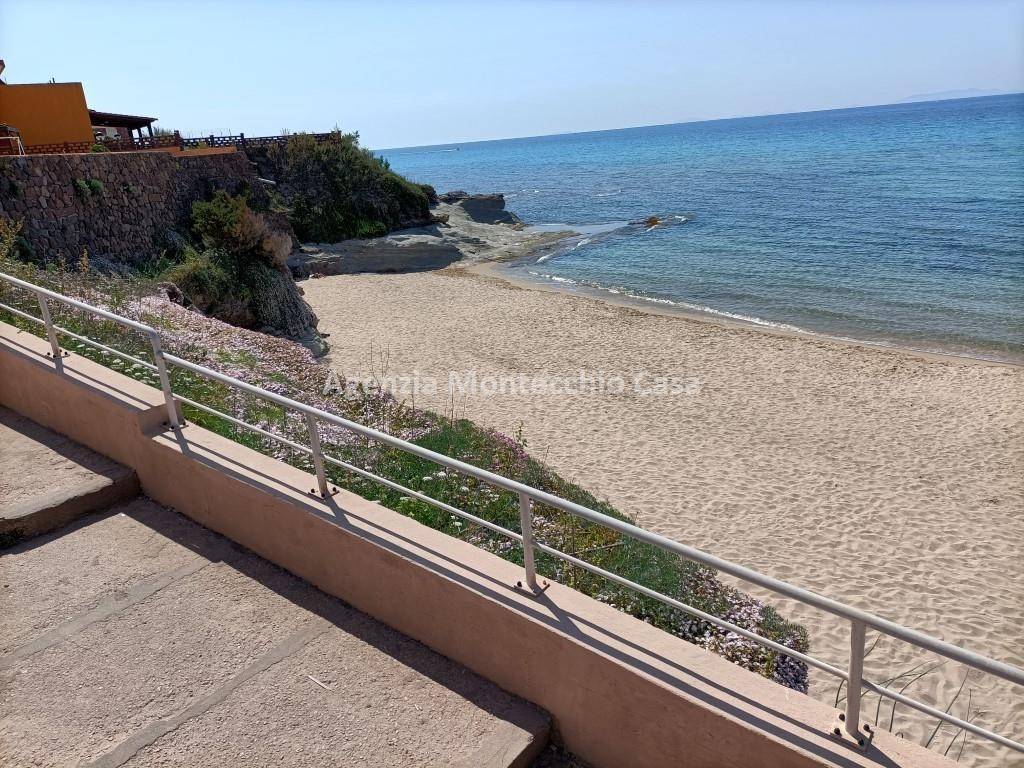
{"points": [[501, 269], [498, 244]]}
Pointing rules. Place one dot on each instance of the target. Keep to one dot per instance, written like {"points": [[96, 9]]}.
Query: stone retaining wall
{"points": [[118, 205]]}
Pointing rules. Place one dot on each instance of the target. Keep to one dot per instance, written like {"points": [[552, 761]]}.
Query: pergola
{"points": [[128, 122]]}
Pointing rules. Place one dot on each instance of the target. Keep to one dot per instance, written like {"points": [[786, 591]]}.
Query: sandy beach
{"points": [[888, 480]]}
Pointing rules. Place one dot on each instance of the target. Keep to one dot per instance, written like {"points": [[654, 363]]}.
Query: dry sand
{"points": [[887, 480]]}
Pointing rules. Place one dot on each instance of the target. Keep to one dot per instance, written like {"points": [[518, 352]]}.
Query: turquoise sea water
{"points": [[900, 224]]}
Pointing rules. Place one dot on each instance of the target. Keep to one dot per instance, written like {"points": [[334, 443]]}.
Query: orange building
{"points": [[46, 113], [57, 114]]}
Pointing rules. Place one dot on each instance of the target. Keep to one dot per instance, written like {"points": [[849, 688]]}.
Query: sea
{"points": [[899, 225]]}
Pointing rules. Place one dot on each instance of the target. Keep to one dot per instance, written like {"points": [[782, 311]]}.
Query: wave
{"points": [[562, 252], [683, 305], [554, 278]]}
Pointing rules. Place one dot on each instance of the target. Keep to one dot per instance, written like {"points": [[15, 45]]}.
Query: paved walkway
{"points": [[138, 638]]}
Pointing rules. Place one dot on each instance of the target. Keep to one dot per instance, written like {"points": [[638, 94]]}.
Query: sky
{"points": [[410, 74]]}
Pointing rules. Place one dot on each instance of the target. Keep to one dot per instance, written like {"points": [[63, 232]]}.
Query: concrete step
{"points": [[46, 480], [138, 638]]}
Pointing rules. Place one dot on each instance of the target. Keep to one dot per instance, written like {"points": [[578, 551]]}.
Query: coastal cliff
{"points": [[334, 189], [133, 215], [220, 234]]}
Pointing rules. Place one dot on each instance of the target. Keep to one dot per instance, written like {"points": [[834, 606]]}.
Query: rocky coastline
{"points": [[465, 228]]}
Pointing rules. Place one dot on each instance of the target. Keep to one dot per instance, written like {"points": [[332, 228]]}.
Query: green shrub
{"points": [[336, 189], [430, 192], [23, 250], [10, 232], [86, 188], [226, 266], [97, 147], [217, 221], [227, 223], [204, 278]]}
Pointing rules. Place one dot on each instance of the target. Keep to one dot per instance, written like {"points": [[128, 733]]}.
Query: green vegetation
{"points": [[288, 369], [224, 264], [13, 243], [206, 280], [334, 189], [86, 188]]}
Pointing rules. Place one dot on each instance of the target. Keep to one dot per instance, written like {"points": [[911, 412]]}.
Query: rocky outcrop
{"points": [[483, 209], [456, 236], [411, 250], [453, 197], [280, 310]]}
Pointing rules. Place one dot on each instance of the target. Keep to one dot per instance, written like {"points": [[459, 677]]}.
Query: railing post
{"points": [[51, 332], [853, 681], [526, 524], [165, 381], [318, 456]]}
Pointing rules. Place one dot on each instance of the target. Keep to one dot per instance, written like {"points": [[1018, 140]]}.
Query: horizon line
{"points": [[694, 122]]}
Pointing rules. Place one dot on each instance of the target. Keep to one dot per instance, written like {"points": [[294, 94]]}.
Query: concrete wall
{"points": [[140, 196], [46, 113], [621, 692]]}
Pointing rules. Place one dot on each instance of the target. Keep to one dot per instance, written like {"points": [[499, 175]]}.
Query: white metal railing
{"points": [[859, 620]]}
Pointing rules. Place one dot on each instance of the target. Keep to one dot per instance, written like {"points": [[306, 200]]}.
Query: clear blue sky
{"points": [[421, 73]]}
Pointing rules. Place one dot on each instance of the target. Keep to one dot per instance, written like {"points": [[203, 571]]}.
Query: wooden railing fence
{"points": [[164, 141]]}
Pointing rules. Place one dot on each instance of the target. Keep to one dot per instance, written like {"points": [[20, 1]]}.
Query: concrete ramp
{"points": [[46, 480], [139, 638]]}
